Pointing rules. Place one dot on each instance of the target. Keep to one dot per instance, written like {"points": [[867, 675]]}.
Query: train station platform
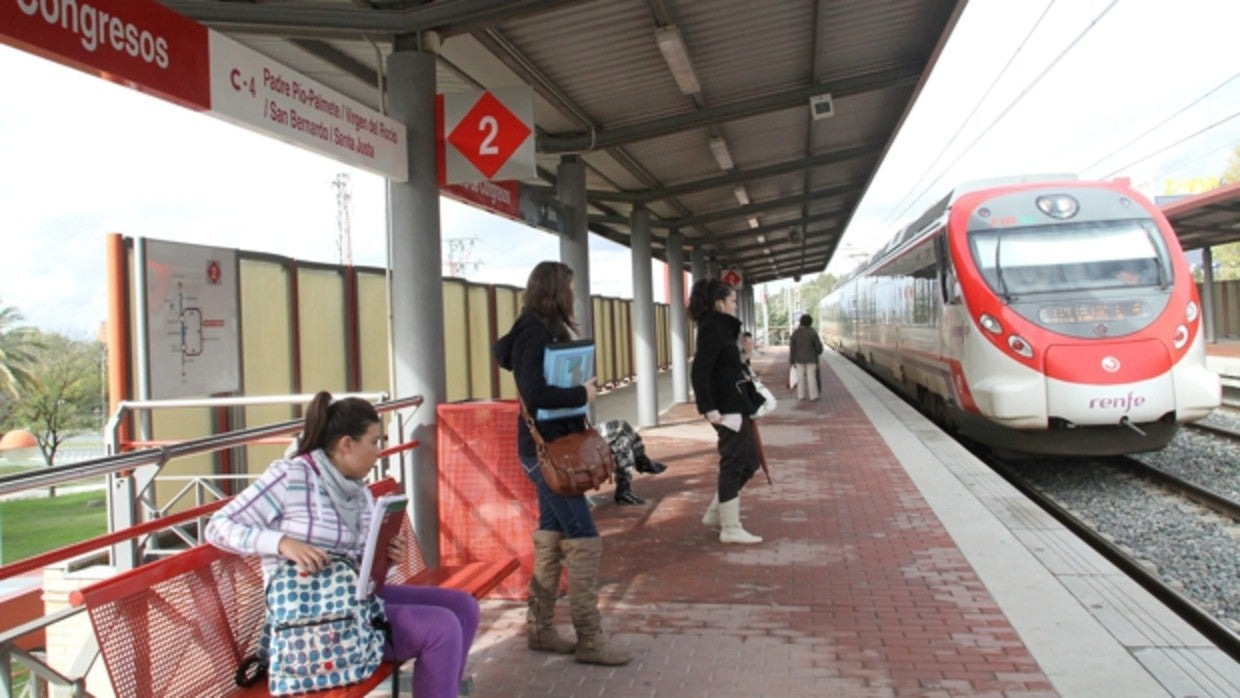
{"points": [[894, 564]]}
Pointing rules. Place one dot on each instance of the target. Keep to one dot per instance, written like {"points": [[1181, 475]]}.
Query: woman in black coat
{"points": [[719, 381], [566, 532]]}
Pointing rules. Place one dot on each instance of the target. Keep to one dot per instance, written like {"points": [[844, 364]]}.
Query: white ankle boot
{"points": [[712, 513], [730, 518]]}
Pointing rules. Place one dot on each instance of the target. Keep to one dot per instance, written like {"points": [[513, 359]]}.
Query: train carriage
{"points": [[1040, 317]]}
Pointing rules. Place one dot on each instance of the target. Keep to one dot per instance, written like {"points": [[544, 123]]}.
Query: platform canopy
{"points": [[1207, 220], [757, 145]]}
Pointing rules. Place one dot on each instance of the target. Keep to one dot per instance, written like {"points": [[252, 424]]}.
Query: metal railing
{"points": [[129, 475]]}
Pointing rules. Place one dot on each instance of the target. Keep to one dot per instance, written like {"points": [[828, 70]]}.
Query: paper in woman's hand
{"points": [[732, 421]]}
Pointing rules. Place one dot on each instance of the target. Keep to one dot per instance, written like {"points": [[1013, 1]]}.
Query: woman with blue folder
{"points": [[566, 532]]}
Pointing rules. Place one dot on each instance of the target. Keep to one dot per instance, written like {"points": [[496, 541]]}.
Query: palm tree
{"points": [[17, 349]]}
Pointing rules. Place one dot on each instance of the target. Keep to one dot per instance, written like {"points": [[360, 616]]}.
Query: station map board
{"points": [[193, 339]]}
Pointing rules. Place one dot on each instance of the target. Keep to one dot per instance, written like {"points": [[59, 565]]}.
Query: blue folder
{"points": [[566, 365]]}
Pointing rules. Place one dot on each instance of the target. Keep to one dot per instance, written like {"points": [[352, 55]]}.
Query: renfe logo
{"points": [[1126, 402], [95, 27]]}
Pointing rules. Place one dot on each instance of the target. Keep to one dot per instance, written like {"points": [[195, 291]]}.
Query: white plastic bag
{"points": [[793, 375]]}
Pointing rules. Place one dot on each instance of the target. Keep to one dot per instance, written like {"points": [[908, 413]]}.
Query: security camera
{"points": [[796, 278]]}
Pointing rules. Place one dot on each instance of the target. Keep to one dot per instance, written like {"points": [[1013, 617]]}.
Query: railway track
{"points": [[1216, 630], [1216, 502]]}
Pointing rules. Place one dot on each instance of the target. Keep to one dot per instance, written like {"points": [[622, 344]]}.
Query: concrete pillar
{"points": [[645, 350], [1207, 294], [679, 317], [417, 286], [575, 240], [697, 260]]}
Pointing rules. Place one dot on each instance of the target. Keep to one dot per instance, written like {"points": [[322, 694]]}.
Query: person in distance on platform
{"points": [[718, 375], [746, 346], [803, 351], [566, 533], [316, 503]]}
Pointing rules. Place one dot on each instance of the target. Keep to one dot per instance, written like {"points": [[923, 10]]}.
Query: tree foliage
{"points": [[1227, 257], [787, 305], [64, 394], [17, 347]]}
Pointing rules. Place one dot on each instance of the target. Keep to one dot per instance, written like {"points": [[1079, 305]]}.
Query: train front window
{"points": [[1089, 256], [1093, 279]]}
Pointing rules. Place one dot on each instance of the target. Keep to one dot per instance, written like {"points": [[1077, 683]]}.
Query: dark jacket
{"points": [[805, 347], [521, 351], [717, 367]]}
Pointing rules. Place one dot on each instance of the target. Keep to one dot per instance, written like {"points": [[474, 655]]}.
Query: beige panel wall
{"points": [[267, 356], [507, 307], [372, 303], [478, 327], [180, 425], [455, 340], [323, 331]]}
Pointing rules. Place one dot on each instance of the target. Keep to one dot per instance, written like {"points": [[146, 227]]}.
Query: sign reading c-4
{"points": [[486, 135]]}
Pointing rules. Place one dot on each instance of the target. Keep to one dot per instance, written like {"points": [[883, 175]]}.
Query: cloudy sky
{"points": [[1146, 89]]}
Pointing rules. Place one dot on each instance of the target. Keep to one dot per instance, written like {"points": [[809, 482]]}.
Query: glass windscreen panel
{"points": [[1084, 256], [1093, 279]]}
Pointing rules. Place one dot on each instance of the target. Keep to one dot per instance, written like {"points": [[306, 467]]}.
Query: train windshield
{"points": [[1090, 256], [1092, 280]]}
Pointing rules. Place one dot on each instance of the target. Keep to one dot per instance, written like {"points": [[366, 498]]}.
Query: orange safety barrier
{"points": [[487, 508]]}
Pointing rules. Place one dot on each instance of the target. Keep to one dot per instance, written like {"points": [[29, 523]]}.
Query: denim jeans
{"points": [[568, 515]]}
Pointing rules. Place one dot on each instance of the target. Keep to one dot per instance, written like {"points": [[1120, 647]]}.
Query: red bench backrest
{"points": [[181, 626]]}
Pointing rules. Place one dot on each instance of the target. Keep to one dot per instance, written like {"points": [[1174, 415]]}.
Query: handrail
{"points": [[111, 429], [69, 472]]}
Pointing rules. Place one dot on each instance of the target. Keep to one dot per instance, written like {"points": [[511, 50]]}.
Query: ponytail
{"points": [[327, 421]]}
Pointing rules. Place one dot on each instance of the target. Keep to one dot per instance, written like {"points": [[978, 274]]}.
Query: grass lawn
{"points": [[32, 526]]}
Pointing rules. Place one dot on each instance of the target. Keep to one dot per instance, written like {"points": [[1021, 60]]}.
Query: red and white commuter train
{"points": [[1038, 317]]}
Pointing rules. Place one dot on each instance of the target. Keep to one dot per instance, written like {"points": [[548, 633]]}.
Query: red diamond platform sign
{"points": [[731, 277], [487, 136]]}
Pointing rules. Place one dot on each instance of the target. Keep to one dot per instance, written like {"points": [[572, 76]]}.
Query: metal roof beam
{"points": [[342, 21], [742, 176], [759, 206], [797, 98]]}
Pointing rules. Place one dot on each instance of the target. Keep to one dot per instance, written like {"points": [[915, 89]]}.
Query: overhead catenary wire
{"points": [[1012, 105], [959, 129]]}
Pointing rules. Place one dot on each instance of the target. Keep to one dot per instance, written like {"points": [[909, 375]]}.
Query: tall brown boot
{"points": [[541, 634], [582, 556]]}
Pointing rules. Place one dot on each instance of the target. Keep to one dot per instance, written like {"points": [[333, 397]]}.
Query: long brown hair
{"points": [[549, 296], [328, 421]]}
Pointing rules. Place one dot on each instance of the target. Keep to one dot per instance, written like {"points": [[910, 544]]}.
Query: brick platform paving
{"points": [[856, 591]]}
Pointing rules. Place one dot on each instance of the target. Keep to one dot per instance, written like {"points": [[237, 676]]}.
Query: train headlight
{"points": [[1190, 311], [1018, 345], [990, 324], [1181, 337], [1059, 206]]}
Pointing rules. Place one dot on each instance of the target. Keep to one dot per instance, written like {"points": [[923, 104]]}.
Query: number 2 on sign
{"points": [[491, 125]]}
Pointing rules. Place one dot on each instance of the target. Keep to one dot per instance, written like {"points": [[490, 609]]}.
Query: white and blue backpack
{"points": [[317, 635]]}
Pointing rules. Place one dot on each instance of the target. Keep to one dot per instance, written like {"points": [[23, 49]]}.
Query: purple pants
{"points": [[434, 626]]}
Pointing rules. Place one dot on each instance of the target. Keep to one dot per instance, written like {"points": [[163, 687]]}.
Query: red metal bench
{"points": [[182, 625]]}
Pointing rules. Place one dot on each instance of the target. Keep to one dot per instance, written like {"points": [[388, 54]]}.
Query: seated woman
{"points": [[629, 453], [316, 503]]}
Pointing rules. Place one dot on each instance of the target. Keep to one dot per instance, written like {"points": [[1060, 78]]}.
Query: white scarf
{"points": [[347, 494]]}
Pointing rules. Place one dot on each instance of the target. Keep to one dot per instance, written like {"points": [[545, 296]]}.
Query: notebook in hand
{"points": [[565, 365], [385, 520]]}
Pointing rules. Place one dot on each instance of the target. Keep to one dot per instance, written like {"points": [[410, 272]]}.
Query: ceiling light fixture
{"points": [[672, 46], [754, 222], [761, 239], [741, 195], [719, 148]]}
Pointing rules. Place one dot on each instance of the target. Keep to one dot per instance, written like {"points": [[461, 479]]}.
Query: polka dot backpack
{"points": [[318, 635]]}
